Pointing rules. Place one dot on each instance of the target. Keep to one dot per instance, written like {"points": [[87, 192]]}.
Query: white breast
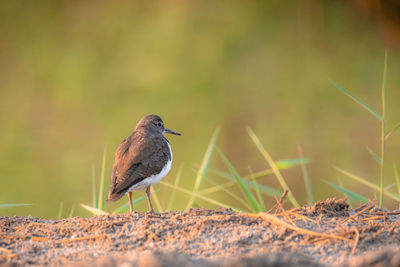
{"points": [[154, 178]]}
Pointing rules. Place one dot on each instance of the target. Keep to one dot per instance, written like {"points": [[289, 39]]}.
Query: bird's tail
{"points": [[112, 194], [113, 197]]}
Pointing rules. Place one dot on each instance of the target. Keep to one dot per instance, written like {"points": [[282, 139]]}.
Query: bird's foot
{"points": [[152, 212]]}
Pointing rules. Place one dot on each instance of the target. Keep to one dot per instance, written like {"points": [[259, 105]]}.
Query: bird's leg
{"points": [[149, 200], [130, 201]]}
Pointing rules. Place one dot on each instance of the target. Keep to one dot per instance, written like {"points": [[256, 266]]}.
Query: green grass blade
{"points": [[125, 208], [94, 211], [396, 176], [122, 209], [71, 212], [247, 193], [258, 191], [280, 164], [60, 208], [273, 166], [389, 186], [222, 174], [392, 131], [265, 189], [374, 155], [357, 100], [177, 180], [10, 205], [102, 197], [305, 175], [340, 183], [290, 163], [383, 135], [353, 196], [367, 183], [94, 189], [203, 168], [233, 195], [197, 195], [384, 79]]}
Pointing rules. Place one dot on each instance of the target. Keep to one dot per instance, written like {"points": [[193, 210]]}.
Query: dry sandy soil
{"points": [[325, 234]]}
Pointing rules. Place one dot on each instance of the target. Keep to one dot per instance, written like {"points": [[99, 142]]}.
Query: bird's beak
{"points": [[170, 131]]}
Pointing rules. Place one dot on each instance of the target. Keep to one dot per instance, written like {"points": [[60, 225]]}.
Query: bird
{"points": [[141, 160]]}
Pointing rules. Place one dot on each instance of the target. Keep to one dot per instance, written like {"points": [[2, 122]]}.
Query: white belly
{"points": [[154, 178]]}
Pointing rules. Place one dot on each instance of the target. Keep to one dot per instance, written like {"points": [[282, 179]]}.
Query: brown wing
{"points": [[136, 158]]}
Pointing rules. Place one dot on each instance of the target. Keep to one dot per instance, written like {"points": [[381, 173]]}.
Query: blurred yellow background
{"points": [[76, 75]]}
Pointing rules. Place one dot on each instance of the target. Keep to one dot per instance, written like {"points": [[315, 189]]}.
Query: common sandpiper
{"points": [[141, 160]]}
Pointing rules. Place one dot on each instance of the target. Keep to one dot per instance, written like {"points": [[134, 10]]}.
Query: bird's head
{"points": [[154, 124]]}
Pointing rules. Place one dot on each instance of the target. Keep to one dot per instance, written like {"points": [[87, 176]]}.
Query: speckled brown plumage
{"points": [[142, 154], [137, 157]]}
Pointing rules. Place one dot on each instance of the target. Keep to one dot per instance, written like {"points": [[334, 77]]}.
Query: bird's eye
{"points": [[159, 124]]}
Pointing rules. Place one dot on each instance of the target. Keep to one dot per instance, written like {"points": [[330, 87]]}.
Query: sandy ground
{"points": [[325, 234]]}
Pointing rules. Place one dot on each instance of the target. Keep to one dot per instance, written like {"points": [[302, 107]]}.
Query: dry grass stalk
{"points": [[283, 197], [320, 241], [284, 213], [5, 250], [355, 241], [386, 213], [274, 220], [8, 256], [39, 238], [368, 206], [373, 218], [302, 217], [82, 238], [281, 200], [393, 227]]}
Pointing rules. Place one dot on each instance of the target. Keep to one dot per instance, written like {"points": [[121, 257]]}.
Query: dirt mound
{"points": [[331, 207], [158, 258], [326, 233]]}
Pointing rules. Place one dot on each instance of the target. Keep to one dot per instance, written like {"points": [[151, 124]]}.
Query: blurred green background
{"points": [[76, 75]]}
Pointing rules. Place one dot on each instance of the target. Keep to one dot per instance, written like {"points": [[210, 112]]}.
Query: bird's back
{"points": [[137, 157]]}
